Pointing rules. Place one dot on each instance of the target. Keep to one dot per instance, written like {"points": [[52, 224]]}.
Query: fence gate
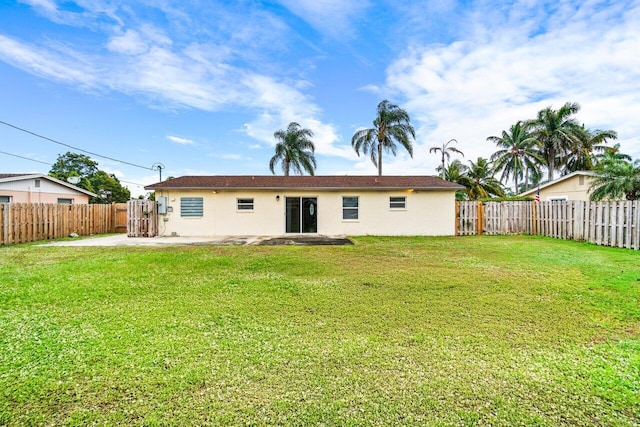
{"points": [[142, 218], [120, 217]]}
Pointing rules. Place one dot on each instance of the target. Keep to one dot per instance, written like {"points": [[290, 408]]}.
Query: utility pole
{"points": [[157, 166]]}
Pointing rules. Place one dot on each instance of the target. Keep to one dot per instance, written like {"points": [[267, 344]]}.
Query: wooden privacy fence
{"points": [[611, 223], [142, 218], [29, 222]]}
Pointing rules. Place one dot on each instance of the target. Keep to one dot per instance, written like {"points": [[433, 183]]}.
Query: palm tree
{"points": [[582, 154], [455, 172], [518, 155], [294, 149], [611, 154], [480, 182], [391, 125], [615, 179], [445, 152], [555, 132]]}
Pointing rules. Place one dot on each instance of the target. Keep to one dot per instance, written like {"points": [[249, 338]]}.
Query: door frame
{"points": [[300, 198]]}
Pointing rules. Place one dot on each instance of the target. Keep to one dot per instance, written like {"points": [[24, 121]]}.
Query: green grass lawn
{"points": [[390, 331]]}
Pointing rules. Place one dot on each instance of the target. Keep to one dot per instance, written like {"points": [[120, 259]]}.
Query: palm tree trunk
{"points": [[379, 158], [286, 167]]}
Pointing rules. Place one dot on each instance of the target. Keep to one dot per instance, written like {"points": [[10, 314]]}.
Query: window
{"points": [[5, 199], [191, 206], [581, 180], [350, 208], [557, 198], [397, 202], [37, 183], [62, 201], [245, 205]]}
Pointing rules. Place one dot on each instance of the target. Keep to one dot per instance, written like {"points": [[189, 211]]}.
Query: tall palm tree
{"points": [[480, 182], [583, 151], [518, 155], [295, 150], [555, 131], [391, 125], [445, 152], [616, 179]]}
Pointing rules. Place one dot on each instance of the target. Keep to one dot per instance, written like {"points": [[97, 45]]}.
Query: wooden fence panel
{"points": [[609, 223], [29, 222], [142, 218]]}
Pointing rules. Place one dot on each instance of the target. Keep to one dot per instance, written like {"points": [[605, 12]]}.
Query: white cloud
{"points": [[180, 140], [129, 43], [474, 88], [332, 17]]}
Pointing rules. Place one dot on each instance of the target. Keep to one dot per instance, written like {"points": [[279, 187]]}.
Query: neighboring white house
{"points": [[574, 186], [40, 188], [329, 205]]}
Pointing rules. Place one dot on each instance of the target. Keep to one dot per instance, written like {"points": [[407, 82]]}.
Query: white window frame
{"points": [[245, 204], [397, 202], [64, 201], [355, 208], [557, 198]]}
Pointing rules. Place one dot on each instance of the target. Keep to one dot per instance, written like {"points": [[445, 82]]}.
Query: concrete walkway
{"points": [[123, 240]]}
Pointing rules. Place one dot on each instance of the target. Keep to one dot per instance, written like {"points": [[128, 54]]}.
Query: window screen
{"points": [[245, 204], [349, 208], [397, 202]]}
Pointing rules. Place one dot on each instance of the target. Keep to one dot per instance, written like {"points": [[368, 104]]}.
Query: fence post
{"points": [[480, 218], [457, 216]]}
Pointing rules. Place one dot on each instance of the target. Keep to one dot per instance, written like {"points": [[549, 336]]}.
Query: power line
{"points": [[48, 164], [26, 158], [75, 148]]}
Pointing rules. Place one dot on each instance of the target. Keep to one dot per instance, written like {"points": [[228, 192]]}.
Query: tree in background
{"points": [[480, 182], [445, 152], [617, 176], [585, 147], [295, 150], [106, 186], [391, 125], [556, 132], [454, 172], [519, 154]]}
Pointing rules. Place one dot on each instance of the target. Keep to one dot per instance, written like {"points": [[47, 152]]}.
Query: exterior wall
{"points": [[25, 191], [426, 213], [574, 188]]}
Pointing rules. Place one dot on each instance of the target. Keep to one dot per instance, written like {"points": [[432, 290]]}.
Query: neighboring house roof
{"points": [[10, 177], [562, 178], [270, 182]]}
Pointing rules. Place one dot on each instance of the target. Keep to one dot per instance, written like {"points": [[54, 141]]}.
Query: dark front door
{"points": [[301, 214]]}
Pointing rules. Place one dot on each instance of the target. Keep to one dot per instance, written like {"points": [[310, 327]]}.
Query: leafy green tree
{"points": [[445, 152], [480, 182], [616, 179], [295, 150], [391, 125], [583, 152], [107, 187], [556, 132], [612, 154], [519, 153], [454, 172], [74, 165]]}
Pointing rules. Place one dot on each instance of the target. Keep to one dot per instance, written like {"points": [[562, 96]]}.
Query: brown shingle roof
{"points": [[267, 182]]}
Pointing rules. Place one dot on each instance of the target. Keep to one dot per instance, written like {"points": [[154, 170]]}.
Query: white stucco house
{"points": [[327, 205], [574, 186], [40, 188]]}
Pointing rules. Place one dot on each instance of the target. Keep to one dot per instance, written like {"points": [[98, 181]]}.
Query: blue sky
{"points": [[201, 86]]}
